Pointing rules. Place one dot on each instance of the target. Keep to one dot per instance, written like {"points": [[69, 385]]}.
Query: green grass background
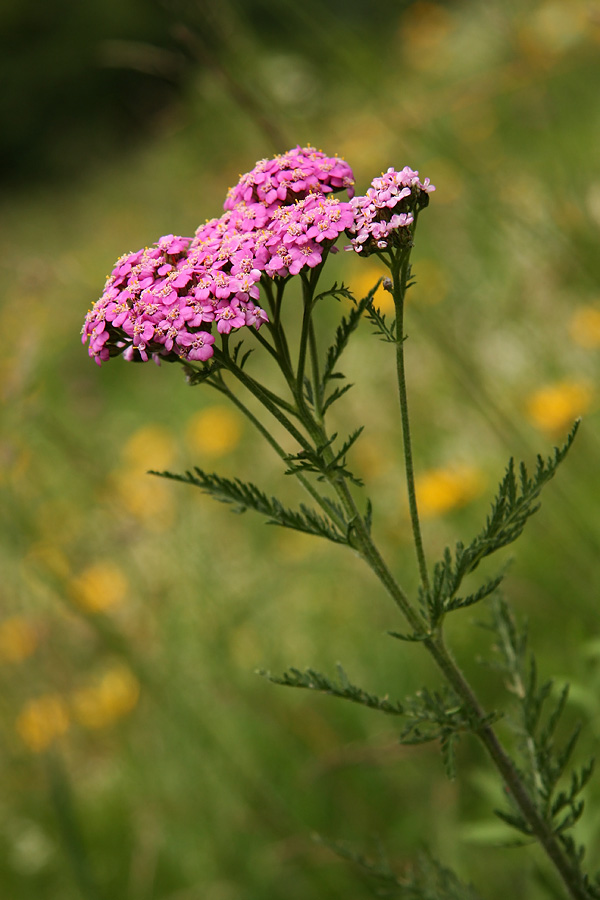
{"points": [[212, 786]]}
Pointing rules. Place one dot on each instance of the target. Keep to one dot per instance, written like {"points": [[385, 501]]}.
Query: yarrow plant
{"points": [[184, 299]]}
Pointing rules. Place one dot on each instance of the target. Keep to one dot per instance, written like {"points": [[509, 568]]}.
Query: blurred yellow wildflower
{"points": [[18, 639], [41, 721], [115, 695], [150, 447], [585, 326], [294, 546], [365, 275], [554, 407], [440, 490], [431, 282], [473, 120], [99, 587], [16, 460], [144, 496], [214, 431]]}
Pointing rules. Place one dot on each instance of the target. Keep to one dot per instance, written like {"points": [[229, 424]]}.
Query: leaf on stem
{"points": [[410, 638], [337, 292], [335, 395], [195, 375], [245, 495], [315, 681], [380, 325], [240, 360], [439, 716], [346, 327], [322, 464], [429, 715], [543, 761], [514, 504]]}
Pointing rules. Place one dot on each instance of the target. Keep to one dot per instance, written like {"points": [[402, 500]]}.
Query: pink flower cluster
{"points": [[384, 215], [291, 176], [164, 300]]}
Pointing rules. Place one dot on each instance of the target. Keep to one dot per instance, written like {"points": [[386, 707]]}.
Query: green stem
{"points": [[539, 827], [316, 378], [307, 293], [275, 326], [269, 400], [220, 386], [264, 343], [400, 271]]}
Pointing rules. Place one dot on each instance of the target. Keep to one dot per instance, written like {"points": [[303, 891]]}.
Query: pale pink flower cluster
{"points": [[383, 216], [164, 301]]}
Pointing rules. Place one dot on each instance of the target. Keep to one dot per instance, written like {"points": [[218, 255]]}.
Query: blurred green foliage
{"points": [[141, 756], [83, 80]]}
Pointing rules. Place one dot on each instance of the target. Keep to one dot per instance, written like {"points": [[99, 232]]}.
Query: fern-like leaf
{"points": [[513, 505], [344, 330], [543, 762], [245, 495], [343, 689], [380, 325], [310, 460], [335, 395], [336, 291], [195, 376]]}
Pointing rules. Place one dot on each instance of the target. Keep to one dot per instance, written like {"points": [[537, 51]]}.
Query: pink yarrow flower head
{"points": [[301, 233], [384, 215], [160, 302], [137, 292], [167, 301], [289, 177]]}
